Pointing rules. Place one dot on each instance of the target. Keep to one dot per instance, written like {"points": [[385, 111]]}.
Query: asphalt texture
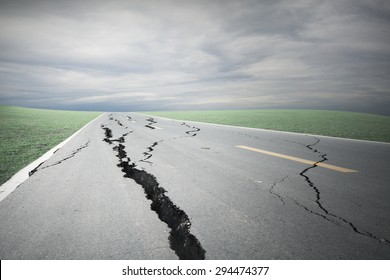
{"points": [[134, 187]]}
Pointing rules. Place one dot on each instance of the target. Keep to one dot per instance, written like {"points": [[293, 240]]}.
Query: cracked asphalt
{"points": [[131, 186]]}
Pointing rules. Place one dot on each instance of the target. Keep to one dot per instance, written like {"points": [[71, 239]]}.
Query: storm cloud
{"points": [[179, 55]]}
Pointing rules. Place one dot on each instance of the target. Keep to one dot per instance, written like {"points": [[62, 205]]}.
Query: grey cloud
{"points": [[164, 55]]}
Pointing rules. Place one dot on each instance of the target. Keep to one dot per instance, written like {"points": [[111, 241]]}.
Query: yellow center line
{"points": [[301, 160]]}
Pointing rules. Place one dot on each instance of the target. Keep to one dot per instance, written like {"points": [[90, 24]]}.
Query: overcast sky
{"points": [[179, 55]]}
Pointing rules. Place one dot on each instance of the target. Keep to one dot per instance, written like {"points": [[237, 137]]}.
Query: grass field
{"points": [[26, 134], [330, 123]]}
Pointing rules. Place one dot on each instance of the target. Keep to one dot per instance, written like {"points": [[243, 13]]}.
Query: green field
{"points": [[26, 134], [330, 123]]}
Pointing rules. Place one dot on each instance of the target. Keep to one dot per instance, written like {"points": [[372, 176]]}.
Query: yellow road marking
{"points": [[301, 160]]}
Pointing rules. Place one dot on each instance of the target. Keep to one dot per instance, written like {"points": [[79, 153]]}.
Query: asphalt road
{"points": [[131, 187]]}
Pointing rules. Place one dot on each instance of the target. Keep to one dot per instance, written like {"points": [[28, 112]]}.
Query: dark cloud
{"points": [[172, 55]]}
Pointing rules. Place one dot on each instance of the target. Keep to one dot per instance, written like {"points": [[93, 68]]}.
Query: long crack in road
{"points": [[327, 213], [184, 244]]}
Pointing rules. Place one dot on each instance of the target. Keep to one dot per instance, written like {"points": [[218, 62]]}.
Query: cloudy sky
{"points": [[178, 55]]}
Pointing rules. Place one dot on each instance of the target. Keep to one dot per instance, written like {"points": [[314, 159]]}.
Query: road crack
{"points": [[327, 213], [148, 154], [193, 132], [307, 179], [118, 122], [271, 190], [185, 244], [61, 160], [108, 134], [151, 123]]}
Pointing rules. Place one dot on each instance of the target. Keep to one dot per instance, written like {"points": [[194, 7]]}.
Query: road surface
{"points": [[133, 187]]}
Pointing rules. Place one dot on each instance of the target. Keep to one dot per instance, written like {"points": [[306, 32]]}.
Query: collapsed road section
{"points": [[185, 244]]}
